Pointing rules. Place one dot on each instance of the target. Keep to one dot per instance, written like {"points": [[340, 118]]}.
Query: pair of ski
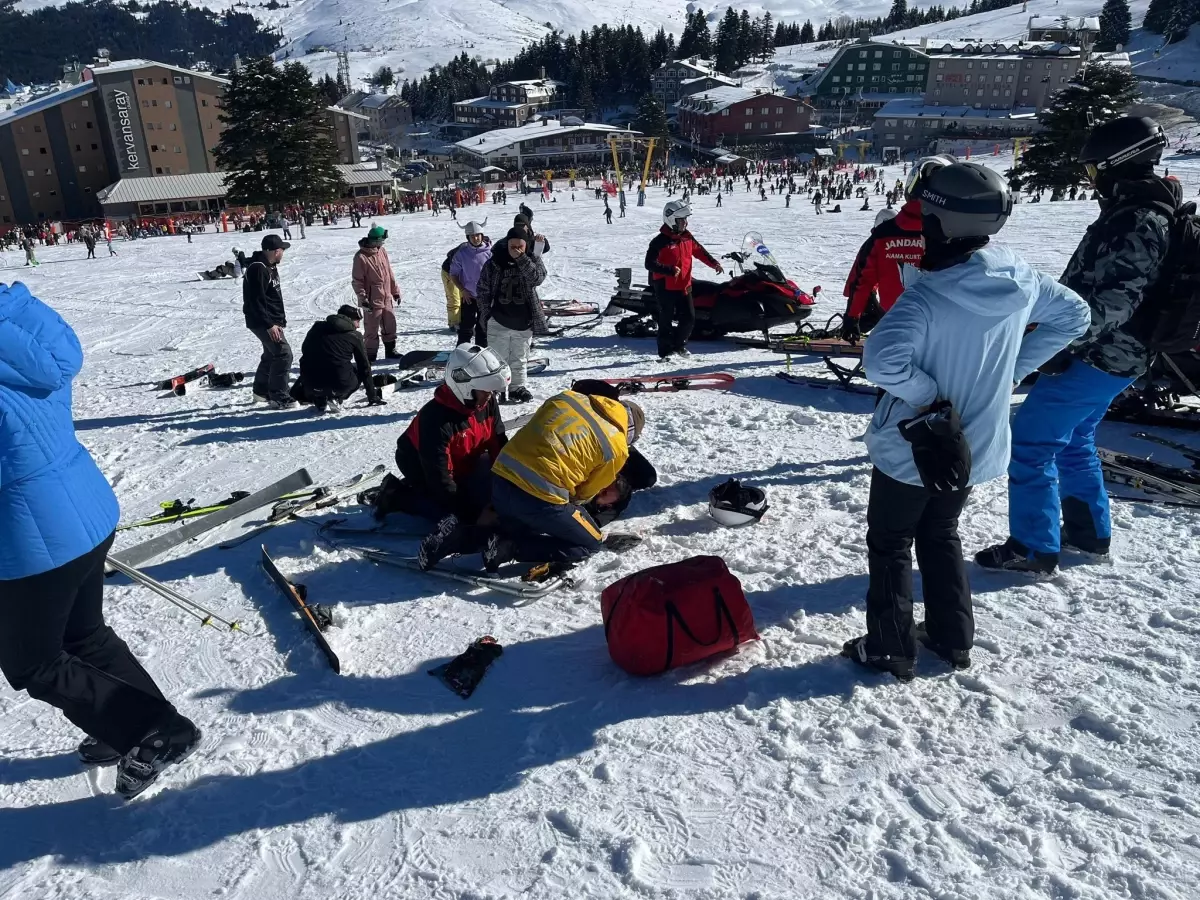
{"points": [[1171, 484], [177, 384]]}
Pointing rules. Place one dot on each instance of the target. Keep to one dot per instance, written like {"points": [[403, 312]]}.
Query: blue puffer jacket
{"points": [[958, 334], [55, 505]]}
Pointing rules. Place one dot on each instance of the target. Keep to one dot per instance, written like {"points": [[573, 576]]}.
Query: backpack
{"points": [[1168, 318], [675, 615]]}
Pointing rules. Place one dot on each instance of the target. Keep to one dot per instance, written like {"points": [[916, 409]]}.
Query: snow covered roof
{"points": [[486, 102], [126, 65], [500, 138], [717, 99], [729, 82], [378, 101], [47, 101], [908, 108]]}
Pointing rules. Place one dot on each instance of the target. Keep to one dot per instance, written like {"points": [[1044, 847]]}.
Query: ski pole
{"points": [[205, 615]]}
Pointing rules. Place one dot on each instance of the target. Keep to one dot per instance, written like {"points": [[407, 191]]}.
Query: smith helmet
{"points": [[922, 169], [734, 503], [1129, 139], [472, 368], [674, 212], [967, 200]]}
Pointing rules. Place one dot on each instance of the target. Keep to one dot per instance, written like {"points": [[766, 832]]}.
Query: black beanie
{"points": [[517, 232], [350, 312]]}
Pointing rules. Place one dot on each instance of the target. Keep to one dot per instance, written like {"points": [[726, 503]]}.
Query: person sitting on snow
{"points": [[446, 453], [333, 363], [568, 454]]}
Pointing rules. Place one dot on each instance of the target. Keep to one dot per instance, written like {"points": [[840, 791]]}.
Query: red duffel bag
{"points": [[675, 615]]}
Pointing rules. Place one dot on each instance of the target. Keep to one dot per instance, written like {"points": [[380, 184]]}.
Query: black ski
{"points": [[1191, 454], [1128, 470], [315, 617]]}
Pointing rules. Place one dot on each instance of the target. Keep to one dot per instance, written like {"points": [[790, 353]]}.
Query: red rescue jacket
{"points": [[444, 441], [891, 244], [670, 249]]}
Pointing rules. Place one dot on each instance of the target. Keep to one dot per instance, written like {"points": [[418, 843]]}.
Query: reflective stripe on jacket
{"points": [[571, 450]]}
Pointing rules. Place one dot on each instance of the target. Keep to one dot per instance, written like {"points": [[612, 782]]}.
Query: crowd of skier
{"points": [[953, 338]]}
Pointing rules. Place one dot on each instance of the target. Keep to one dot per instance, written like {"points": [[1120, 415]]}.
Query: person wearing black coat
{"points": [[333, 362], [262, 305]]}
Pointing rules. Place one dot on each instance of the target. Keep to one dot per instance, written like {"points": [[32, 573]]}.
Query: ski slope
{"points": [[1063, 764]]}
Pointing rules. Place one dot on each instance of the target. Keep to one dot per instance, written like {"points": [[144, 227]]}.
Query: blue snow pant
{"points": [[543, 532], [1054, 472]]}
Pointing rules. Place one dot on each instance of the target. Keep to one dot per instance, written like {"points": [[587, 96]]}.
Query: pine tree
{"points": [[807, 35], [277, 146], [660, 50], [1051, 159], [651, 117], [1115, 24], [899, 13], [766, 41], [696, 39], [726, 50], [745, 38], [1158, 15]]}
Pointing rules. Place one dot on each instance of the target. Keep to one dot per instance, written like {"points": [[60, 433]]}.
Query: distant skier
{"points": [[89, 241], [608, 214]]}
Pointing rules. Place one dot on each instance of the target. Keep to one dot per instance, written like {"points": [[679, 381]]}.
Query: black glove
{"points": [[1058, 363], [850, 330], [940, 448], [376, 401]]}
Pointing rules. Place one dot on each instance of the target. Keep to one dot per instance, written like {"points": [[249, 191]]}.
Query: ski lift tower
{"points": [[629, 141]]}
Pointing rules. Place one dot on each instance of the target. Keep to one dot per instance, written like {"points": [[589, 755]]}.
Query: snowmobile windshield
{"points": [[759, 258]]}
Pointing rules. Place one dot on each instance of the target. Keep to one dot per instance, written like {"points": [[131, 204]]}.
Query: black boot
{"points": [[442, 542], [1013, 556], [956, 659], [94, 752], [498, 551], [899, 666], [161, 747], [389, 350]]}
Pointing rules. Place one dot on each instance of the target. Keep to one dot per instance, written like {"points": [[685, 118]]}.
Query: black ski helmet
{"points": [[1129, 139], [734, 503], [967, 200]]}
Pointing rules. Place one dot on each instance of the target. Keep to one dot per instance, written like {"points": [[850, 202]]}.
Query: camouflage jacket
{"points": [[1118, 258]]}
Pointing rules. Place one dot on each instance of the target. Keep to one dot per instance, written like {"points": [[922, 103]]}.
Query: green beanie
{"points": [[377, 234]]}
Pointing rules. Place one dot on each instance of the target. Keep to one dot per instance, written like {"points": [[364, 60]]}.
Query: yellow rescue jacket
{"points": [[571, 450]]}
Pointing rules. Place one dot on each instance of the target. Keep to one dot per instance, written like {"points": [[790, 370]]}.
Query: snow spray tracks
{"points": [[520, 719]]}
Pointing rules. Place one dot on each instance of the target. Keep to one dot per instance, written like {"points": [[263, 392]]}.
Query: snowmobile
{"points": [[758, 298]]}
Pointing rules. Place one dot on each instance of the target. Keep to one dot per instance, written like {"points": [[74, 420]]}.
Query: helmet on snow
{"points": [[921, 170], [734, 503], [471, 368], [967, 200], [1129, 139], [674, 212]]}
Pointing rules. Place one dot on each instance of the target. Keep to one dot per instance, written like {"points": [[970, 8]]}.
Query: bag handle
{"points": [[722, 611]]}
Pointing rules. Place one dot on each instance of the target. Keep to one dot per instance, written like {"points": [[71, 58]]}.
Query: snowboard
{"points": [[663, 384], [315, 617], [463, 673], [178, 383]]}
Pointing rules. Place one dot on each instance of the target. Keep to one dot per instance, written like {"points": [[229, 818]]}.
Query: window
{"points": [[765, 111], [875, 67], [1009, 79], [995, 78], [24, 151], [970, 65], [896, 54], [42, 151], [941, 64], [762, 126], [1062, 81], [862, 67], [83, 168], [85, 103], [1026, 79], [938, 79], [725, 112], [177, 150], [889, 137], [158, 170], [1024, 93], [95, 146], [164, 81], [779, 126], [861, 79], [979, 93], [49, 171], [187, 79], [87, 124], [178, 80], [146, 104], [878, 53], [983, 65], [154, 103], [203, 102], [967, 79], [895, 67], [779, 110], [912, 66], [937, 93], [174, 127], [169, 104], [977, 105], [749, 111], [74, 126], [154, 148], [79, 148], [837, 78], [168, 170], [749, 125], [995, 93], [889, 123], [37, 129], [141, 81], [29, 173], [862, 54]]}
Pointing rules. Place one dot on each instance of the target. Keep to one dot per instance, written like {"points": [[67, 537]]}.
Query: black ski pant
{"points": [[673, 305], [898, 514], [469, 330], [56, 646], [274, 367]]}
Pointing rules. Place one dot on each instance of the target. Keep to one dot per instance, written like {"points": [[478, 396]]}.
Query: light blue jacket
{"points": [[959, 334], [55, 505]]}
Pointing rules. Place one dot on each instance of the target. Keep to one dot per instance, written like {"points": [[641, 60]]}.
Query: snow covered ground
{"points": [[1063, 764]]}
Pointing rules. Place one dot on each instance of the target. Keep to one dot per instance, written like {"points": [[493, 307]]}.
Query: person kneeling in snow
{"points": [[568, 454], [446, 453], [333, 363], [948, 355]]}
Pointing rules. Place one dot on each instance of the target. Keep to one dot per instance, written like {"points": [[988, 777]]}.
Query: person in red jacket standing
{"points": [[894, 243], [669, 260]]}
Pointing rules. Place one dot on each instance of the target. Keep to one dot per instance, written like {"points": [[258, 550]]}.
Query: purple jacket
{"points": [[468, 263]]}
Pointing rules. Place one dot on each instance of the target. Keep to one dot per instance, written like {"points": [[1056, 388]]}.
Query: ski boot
{"points": [[956, 659], [497, 551], [389, 350], [161, 747], [1013, 556], [901, 667], [439, 544], [94, 752]]}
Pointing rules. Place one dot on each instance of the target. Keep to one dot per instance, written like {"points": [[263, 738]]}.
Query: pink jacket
{"points": [[373, 279]]}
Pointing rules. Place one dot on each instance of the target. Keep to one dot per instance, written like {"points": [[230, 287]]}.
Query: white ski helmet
{"points": [[884, 215], [471, 368], [674, 211], [734, 503]]}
